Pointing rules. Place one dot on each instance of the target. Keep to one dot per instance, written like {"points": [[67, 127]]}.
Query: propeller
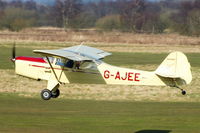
{"points": [[13, 53]]}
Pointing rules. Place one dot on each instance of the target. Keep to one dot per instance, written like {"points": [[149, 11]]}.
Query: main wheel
{"points": [[55, 94], [46, 94]]}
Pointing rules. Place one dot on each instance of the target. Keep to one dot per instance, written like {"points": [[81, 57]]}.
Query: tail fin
{"points": [[174, 66]]}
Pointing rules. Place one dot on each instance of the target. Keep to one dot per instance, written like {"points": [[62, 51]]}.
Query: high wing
{"points": [[76, 53]]}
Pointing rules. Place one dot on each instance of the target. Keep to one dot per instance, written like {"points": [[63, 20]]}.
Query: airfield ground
{"points": [[23, 114], [101, 108]]}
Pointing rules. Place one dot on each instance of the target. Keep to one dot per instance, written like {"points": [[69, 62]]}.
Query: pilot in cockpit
{"points": [[69, 63], [77, 64]]}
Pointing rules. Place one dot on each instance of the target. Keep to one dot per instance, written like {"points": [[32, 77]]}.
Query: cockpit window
{"points": [[65, 63], [51, 59], [69, 63], [60, 62]]}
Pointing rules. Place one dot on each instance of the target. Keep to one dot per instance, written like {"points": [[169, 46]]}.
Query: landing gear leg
{"points": [[183, 92]]}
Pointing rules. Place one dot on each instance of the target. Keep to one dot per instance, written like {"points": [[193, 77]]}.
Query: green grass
{"points": [[19, 114], [122, 58], [118, 58]]}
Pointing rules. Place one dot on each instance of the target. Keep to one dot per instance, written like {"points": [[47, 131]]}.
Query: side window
{"points": [[65, 63], [59, 62], [69, 63], [51, 59]]}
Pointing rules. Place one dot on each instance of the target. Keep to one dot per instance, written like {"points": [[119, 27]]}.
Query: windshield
{"points": [[51, 59]]}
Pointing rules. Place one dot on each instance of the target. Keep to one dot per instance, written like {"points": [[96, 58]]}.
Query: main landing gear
{"points": [[47, 94]]}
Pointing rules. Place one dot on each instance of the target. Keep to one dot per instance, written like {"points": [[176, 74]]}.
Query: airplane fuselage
{"points": [[39, 69]]}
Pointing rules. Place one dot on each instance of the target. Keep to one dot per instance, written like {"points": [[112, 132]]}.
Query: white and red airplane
{"points": [[83, 64]]}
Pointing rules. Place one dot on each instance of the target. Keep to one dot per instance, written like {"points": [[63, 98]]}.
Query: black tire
{"points": [[55, 94], [183, 92], [46, 94]]}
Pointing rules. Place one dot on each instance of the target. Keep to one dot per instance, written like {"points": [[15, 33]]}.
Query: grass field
{"points": [[110, 109], [19, 114]]}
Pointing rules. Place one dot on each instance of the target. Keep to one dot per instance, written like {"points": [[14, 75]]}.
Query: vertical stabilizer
{"points": [[175, 65]]}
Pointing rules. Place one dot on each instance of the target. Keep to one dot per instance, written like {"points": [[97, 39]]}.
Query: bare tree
{"points": [[186, 20], [2, 5], [65, 11], [132, 15], [16, 4], [30, 5]]}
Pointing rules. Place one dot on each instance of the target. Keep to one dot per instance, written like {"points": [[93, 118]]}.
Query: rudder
{"points": [[175, 66]]}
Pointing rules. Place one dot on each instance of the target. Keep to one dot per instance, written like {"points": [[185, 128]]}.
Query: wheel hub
{"points": [[46, 94]]}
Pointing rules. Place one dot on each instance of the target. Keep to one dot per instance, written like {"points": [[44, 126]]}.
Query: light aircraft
{"points": [[83, 64]]}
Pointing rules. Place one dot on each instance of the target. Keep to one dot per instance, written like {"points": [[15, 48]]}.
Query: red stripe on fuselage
{"points": [[32, 59], [40, 66], [35, 59], [47, 67]]}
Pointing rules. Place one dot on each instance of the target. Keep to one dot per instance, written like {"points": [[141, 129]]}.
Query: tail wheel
{"points": [[183, 92], [46, 94], [55, 94]]}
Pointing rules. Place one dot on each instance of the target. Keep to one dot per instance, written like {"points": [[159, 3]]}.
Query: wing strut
{"points": [[52, 69]]}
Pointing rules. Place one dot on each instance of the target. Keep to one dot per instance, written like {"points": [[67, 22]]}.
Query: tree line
{"points": [[138, 16]]}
